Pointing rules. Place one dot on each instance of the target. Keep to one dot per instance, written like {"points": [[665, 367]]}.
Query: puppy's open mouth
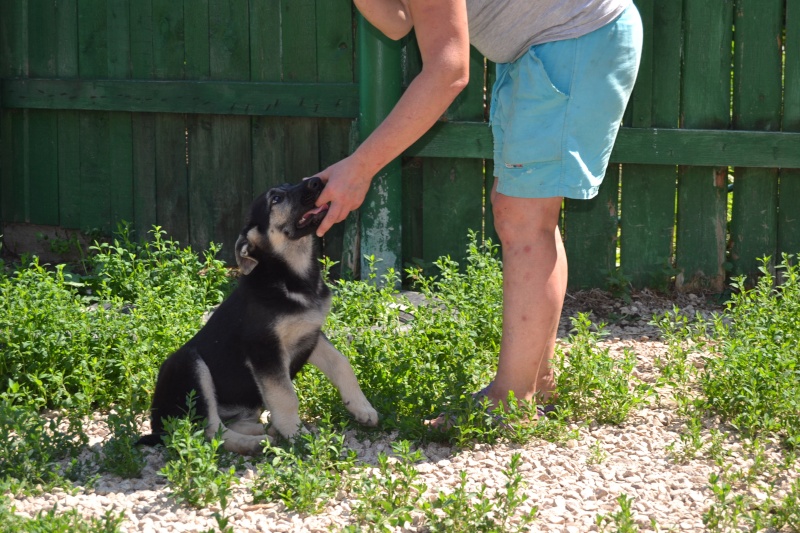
{"points": [[314, 216]]}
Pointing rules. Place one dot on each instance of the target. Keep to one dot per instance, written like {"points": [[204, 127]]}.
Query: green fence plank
{"points": [[120, 170], [590, 234], [145, 198], [756, 106], [335, 63], [269, 161], [13, 62], [299, 62], [789, 206], [648, 191], [172, 186], [42, 128], [69, 179], [220, 169], [701, 226], [453, 188], [94, 141]]}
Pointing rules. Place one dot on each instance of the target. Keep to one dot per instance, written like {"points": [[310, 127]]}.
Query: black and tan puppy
{"points": [[244, 358]]}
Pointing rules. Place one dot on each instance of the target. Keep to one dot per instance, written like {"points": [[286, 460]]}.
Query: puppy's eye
{"points": [[276, 199]]}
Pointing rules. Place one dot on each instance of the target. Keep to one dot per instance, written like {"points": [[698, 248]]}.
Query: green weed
{"points": [[52, 521], [591, 384], [305, 474], [464, 511], [192, 470]]}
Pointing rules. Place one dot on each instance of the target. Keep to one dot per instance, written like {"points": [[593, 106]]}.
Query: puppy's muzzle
{"points": [[312, 188]]}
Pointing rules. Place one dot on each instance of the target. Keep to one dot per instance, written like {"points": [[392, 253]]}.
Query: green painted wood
{"points": [[590, 234], [120, 170], [489, 231], [789, 207], [756, 106], [701, 219], [220, 97], [336, 64], [145, 198], [42, 129], [13, 62], [69, 178], [648, 191], [453, 188], [412, 168], [94, 128], [220, 169], [269, 161], [172, 182], [380, 74], [299, 62], [660, 146]]}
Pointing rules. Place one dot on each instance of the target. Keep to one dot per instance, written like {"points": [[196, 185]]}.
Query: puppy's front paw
{"points": [[364, 413]]}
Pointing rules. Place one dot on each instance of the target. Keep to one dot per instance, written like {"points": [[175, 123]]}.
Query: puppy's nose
{"points": [[313, 184]]}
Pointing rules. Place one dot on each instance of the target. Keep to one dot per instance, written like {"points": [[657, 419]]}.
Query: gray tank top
{"points": [[503, 30]]}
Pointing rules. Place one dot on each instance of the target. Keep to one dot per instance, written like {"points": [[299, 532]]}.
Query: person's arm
{"points": [[391, 17], [443, 37]]}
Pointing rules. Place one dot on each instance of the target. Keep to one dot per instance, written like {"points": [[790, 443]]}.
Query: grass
{"points": [[81, 341]]}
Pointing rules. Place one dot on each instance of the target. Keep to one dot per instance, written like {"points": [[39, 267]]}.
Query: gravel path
{"points": [[570, 484]]}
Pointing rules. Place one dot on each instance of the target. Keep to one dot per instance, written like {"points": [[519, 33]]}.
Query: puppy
{"points": [[244, 359]]}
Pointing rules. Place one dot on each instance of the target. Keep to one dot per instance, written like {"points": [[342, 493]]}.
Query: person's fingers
{"points": [[331, 218]]}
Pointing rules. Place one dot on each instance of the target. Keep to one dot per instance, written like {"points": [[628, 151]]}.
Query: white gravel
{"points": [[566, 482]]}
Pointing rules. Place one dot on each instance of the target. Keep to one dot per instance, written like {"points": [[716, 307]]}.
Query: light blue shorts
{"points": [[556, 111]]}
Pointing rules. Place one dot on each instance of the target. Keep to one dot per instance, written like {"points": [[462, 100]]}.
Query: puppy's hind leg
{"points": [[338, 369], [231, 440]]}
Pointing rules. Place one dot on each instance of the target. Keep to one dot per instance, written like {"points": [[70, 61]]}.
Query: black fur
{"points": [[264, 332]]}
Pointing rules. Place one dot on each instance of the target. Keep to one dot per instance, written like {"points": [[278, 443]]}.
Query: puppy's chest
{"points": [[303, 323]]}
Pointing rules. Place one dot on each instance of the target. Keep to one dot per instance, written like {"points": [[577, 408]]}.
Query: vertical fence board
{"points": [[269, 162], [590, 234], [789, 206], [452, 189], [94, 126], [756, 106], [335, 64], [489, 231], [120, 171], [69, 179], [42, 142], [14, 49], [172, 187], [648, 191], [701, 224], [220, 176], [412, 170], [299, 45], [145, 199]]}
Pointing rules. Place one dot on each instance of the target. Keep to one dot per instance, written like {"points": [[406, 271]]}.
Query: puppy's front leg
{"points": [[281, 400], [338, 369]]}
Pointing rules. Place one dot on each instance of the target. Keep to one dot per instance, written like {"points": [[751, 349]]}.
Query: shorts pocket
{"points": [[535, 119]]}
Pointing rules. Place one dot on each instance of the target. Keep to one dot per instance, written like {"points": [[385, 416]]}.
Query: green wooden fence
{"points": [[176, 113]]}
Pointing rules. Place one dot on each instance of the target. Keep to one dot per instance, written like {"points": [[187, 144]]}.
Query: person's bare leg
{"points": [[534, 285]]}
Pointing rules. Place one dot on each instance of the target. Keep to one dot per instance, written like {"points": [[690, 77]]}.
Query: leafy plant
{"points": [[192, 470], [305, 474], [52, 521], [388, 497], [465, 511], [33, 447], [622, 519], [120, 454], [753, 381], [591, 384]]}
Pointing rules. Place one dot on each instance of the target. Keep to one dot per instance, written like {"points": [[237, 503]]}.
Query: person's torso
{"points": [[502, 30]]}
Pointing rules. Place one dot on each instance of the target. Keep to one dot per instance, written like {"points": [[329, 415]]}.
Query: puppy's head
{"points": [[280, 217]]}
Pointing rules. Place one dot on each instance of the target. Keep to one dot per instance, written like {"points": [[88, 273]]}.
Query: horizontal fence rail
{"points": [[177, 113]]}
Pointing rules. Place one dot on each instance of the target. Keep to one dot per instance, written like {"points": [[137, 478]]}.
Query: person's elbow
{"points": [[398, 31]]}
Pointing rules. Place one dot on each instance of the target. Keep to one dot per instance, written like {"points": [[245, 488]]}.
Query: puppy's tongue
{"points": [[312, 213]]}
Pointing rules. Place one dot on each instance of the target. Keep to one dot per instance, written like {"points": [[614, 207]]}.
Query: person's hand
{"points": [[346, 186]]}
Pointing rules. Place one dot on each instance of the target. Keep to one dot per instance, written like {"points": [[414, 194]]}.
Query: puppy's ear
{"points": [[245, 261]]}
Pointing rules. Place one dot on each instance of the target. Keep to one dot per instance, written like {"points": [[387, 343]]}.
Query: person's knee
{"points": [[525, 219]]}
